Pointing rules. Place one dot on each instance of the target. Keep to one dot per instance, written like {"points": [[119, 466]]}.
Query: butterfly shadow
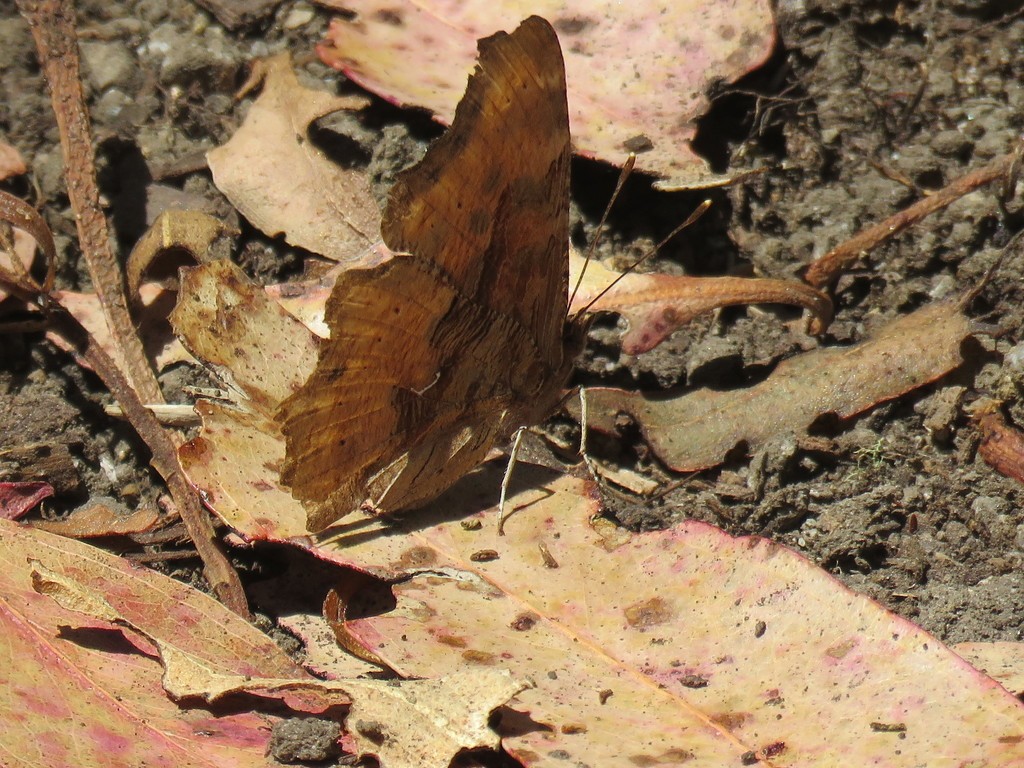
{"points": [[473, 498]]}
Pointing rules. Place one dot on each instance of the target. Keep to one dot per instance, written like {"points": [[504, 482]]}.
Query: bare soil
{"points": [[864, 108]]}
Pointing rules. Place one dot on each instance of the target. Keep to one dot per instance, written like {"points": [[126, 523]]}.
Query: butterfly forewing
{"points": [[490, 201]]}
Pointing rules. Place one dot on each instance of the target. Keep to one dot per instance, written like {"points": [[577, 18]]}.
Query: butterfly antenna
{"points": [[697, 213], [627, 169]]}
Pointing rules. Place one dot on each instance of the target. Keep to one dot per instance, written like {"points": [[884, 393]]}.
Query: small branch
{"points": [[53, 27], [823, 271]]}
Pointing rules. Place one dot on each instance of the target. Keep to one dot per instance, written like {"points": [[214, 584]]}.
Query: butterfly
{"points": [[462, 337]]}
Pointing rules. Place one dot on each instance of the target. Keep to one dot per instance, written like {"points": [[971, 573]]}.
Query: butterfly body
{"points": [[461, 338]]}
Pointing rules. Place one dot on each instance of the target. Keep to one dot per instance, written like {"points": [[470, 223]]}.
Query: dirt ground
{"points": [[864, 108]]}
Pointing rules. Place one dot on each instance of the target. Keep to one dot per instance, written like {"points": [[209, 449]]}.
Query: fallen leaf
{"points": [[77, 692], [697, 429], [203, 237], [405, 724], [163, 349], [17, 499], [1002, 661], [655, 305], [685, 646], [100, 520], [635, 80], [276, 176], [236, 329]]}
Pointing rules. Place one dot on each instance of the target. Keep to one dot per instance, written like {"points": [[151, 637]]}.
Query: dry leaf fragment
{"points": [[202, 236], [275, 175], [19, 498], [231, 324], [655, 305], [11, 162], [696, 430], [100, 520]]}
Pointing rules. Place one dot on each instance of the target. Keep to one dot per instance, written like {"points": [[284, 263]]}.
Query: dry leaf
{"points": [[86, 695], [655, 305], [675, 647], [405, 724], [275, 175], [202, 236], [17, 499], [11, 162], [1002, 446], [1003, 662], [696, 430], [237, 330], [637, 73], [100, 520], [163, 348]]}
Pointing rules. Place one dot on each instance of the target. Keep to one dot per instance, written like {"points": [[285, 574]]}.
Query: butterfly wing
{"points": [[432, 351], [407, 395], [490, 201]]}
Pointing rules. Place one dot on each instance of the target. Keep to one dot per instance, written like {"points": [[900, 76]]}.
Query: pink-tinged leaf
{"points": [[696, 430], [681, 647], [1002, 661], [655, 305], [637, 73], [405, 724], [18, 499], [277, 177], [79, 692]]}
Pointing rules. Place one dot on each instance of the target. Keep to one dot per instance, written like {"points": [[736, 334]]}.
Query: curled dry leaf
{"points": [[696, 430], [634, 82], [405, 724], [272, 171], [656, 305], [202, 236], [685, 646], [19, 498]]}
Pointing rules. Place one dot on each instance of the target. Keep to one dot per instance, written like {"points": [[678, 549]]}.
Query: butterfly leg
{"points": [[507, 479]]}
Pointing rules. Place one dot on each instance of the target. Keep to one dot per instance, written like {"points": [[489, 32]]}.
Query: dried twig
{"points": [[823, 271], [53, 27]]}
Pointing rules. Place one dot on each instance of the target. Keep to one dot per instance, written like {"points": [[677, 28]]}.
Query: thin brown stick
{"points": [[53, 27], [823, 271]]}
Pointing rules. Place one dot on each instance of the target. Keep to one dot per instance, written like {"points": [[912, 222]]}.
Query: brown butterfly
{"points": [[463, 336]]}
